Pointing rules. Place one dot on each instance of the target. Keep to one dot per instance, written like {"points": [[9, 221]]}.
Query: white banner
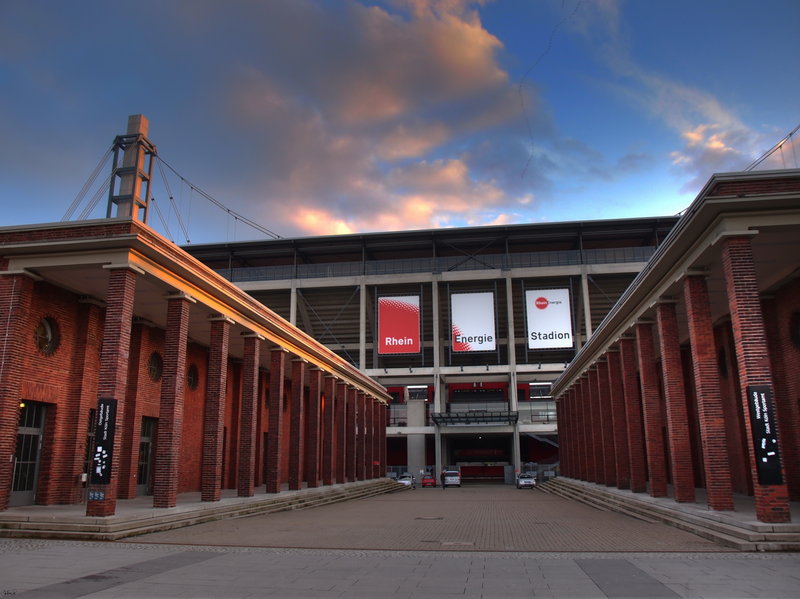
{"points": [[549, 318], [472, 322]]}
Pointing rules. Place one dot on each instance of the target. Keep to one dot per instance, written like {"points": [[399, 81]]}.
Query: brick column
{"points": [[606, 425], [340, 434], [369, 447], [382, 441], [328, 444], [633, 414], [563, 436], [678, 429], [350, 434], [361, 438], [314, 430], [214, 418], [719, 486], [595, 454], [752, 357], [170, 416], [296, 424], [651, 403], [584, 417], [247, 416], [114, 375], [277, 365], [16, 294], [569, 419], [622, 462]]}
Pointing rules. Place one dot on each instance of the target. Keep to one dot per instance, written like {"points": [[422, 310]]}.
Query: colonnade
{"points": [[646, 413]]}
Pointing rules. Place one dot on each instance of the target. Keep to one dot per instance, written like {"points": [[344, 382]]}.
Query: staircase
{"points": [[63, 522], [730, 529]]}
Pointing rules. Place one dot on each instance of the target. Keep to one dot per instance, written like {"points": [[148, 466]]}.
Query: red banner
{"points": [[399, 325]]}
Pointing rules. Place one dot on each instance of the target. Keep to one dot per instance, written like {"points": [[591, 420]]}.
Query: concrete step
{"points": [[121, 526], [743, 536]]}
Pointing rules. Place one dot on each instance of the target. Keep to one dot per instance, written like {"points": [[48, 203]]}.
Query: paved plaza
{"points": [[476, 541]]}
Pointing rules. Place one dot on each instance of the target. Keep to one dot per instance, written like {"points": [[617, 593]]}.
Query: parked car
{"points": [[428, 480], [452, 478], [526, 480], [408, 480]]}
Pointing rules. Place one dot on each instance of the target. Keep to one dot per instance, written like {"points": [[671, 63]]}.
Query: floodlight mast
{"points": [[125, 191]]}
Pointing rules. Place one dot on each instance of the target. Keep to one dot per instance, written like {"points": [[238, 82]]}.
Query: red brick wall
{"points": [[51, 380], [193, 411]]}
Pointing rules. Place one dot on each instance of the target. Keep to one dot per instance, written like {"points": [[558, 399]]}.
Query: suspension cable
{"points": [[89, 182], [218, 204], [773, 149]]}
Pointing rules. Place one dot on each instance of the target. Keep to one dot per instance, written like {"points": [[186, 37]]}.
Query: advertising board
{"points": [[549, 318], [472, 322]]}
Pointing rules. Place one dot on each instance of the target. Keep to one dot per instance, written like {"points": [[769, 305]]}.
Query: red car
{"points": [[428, 480]]}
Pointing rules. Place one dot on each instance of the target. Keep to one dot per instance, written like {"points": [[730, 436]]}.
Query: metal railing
{"points": [[438, 265], [537, 412]]}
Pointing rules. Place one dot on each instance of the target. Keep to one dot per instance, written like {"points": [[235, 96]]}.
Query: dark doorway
{"points": [[30, 434]]}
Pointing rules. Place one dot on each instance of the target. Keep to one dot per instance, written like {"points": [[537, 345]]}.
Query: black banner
{"points": [[104, 441], [765, 441]]}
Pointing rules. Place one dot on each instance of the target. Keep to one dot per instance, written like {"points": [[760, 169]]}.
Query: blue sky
{"points": [[313, 117]]}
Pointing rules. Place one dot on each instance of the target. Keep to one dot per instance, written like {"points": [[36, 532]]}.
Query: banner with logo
{"points": [[399, 325], [472, 322], [549, 318], [105, 429]]}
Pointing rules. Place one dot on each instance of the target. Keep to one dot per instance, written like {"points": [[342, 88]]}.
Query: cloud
{"points": [[713, 138], [376, 131]]}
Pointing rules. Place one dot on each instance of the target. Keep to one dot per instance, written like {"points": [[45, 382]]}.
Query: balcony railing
{"points": [[438, 265], [537, 412], [468, 413]]}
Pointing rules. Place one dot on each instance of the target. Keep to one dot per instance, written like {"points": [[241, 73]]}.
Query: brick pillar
{"points": [[583, 409], [350, 434], [563, 436], [170, 416], [16, 293], [114, 375], [277, 365], [369, 446], [214, 418], [296, 424], [633, 414], [719, 486], [313, 442], [752, 357], [376, 453], [569, 419], [622, 462], [678, 429], [247, 415], [328, 445], [361, 438], [340, 433], [606, 425], [596, 463], [651, 404], [382, 430]]}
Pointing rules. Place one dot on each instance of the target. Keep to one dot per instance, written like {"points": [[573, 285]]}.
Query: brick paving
{"points": [[470, 518]]}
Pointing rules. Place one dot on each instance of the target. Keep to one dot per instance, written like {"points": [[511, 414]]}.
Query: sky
{"points": [[318, 117]]}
